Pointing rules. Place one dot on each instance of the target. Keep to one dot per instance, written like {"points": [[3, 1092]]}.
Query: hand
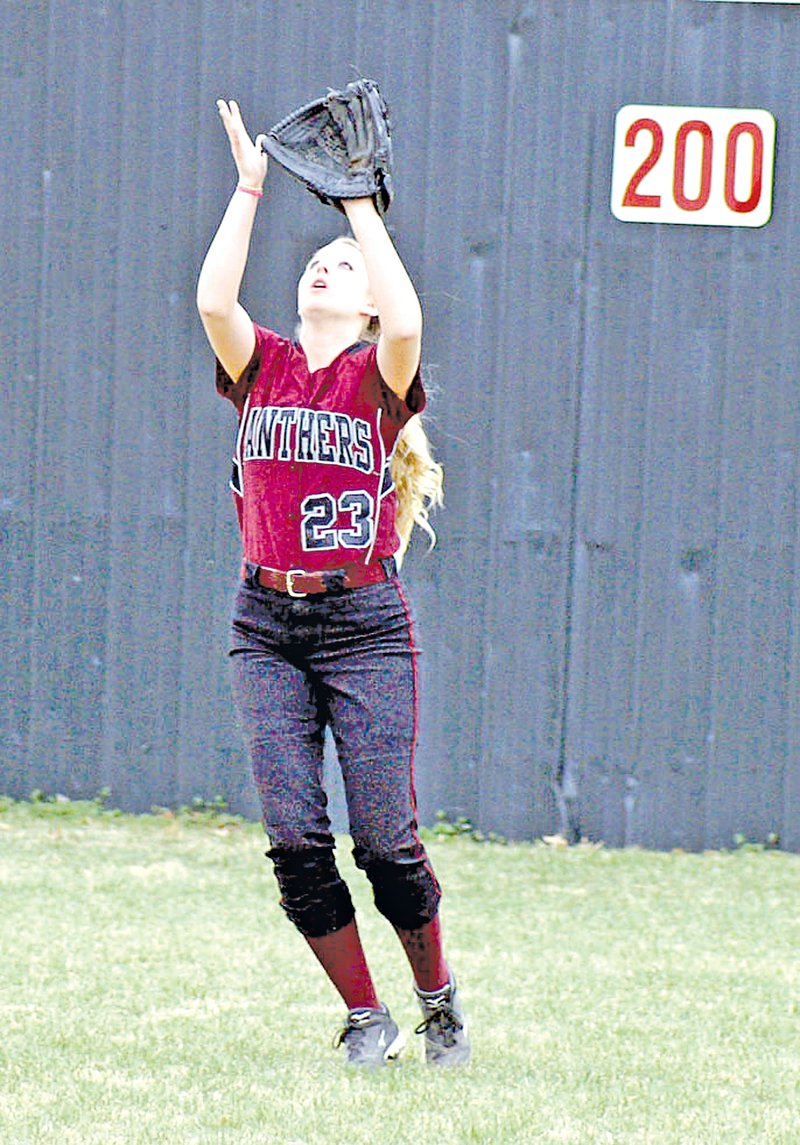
{"points": [[249, 157]]}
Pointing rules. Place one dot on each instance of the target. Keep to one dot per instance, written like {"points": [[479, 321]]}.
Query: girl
{"points": [[321, 632]]}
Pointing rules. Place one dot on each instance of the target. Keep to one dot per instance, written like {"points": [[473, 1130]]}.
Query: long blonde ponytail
{"points": [[419, 481]]}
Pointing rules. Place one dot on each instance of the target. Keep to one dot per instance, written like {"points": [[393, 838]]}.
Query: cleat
{"points": [[370, 1037], [444, 1026]]}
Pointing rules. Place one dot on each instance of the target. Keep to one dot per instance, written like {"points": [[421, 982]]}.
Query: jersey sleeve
{"points": [[398, 410], [265, 349]]}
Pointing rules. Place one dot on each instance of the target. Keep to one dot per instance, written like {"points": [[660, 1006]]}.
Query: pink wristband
{"points": [[250, 191]]}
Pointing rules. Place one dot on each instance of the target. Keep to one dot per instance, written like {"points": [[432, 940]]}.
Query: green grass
{"points": [[151, 990]]}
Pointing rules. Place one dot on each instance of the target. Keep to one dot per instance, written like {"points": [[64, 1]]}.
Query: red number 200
{"points": [[633, 198]]}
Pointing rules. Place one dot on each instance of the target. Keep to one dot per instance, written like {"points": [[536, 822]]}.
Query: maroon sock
{"points": [[423, 948], [342, 958]]}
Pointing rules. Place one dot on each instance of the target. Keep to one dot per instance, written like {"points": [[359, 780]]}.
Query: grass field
{"points": [[151, 990]]}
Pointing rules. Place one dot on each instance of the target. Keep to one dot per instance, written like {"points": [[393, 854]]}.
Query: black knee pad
{"points": [[312, 892], [405, 888]]}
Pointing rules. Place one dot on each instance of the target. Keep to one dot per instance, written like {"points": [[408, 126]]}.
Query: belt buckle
{"points": [[291, 574]]}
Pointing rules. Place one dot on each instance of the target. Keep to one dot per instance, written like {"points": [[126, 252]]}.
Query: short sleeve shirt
{"points": [[311, 469]]}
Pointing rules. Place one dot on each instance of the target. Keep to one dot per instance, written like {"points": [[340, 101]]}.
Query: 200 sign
{"points": [[693, 165]]}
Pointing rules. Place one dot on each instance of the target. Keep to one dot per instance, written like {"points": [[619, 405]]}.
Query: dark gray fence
{"points": [[610, 618]]}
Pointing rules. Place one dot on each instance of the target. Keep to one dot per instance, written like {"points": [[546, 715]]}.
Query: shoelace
{"points": [[356, 1024], [445, 1021], [346, 1033]]}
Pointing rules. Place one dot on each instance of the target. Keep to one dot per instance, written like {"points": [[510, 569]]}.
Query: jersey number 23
{"points": [[337, 522]]}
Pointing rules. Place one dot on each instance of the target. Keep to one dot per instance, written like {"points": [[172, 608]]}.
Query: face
{"points": [[335, 283]]}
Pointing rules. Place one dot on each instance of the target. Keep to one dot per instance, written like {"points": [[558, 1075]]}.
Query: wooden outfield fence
{"points": [[609, 621]]}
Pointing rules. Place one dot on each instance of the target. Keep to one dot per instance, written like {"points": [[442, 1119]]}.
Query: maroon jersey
{"points": [[311, 469]]}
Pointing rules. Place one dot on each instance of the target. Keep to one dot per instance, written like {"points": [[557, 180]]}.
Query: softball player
{"points": [[322, 634]]}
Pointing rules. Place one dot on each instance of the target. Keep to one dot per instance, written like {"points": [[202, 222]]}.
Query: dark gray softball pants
{"points": [[345, 659]]}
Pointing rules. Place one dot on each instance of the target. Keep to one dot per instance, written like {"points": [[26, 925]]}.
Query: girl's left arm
{"points": [[396, 301]]}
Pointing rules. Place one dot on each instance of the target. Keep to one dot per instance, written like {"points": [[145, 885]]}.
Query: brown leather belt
{"points": [[298, 583]]}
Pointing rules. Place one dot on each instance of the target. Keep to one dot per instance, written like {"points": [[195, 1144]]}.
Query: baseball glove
{"points": [[340, 146]]}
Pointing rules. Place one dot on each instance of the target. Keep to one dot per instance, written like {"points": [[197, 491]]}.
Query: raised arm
{"points": [[226, 322], [400, 342]]}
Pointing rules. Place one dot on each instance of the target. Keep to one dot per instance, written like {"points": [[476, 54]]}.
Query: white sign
{"points": [[706, 166]]}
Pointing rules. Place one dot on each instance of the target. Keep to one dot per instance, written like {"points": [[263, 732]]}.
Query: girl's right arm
{"points": [[227, 324]]}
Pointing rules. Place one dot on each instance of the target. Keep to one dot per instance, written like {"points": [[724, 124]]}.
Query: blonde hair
{"points": [[419, 481]]}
